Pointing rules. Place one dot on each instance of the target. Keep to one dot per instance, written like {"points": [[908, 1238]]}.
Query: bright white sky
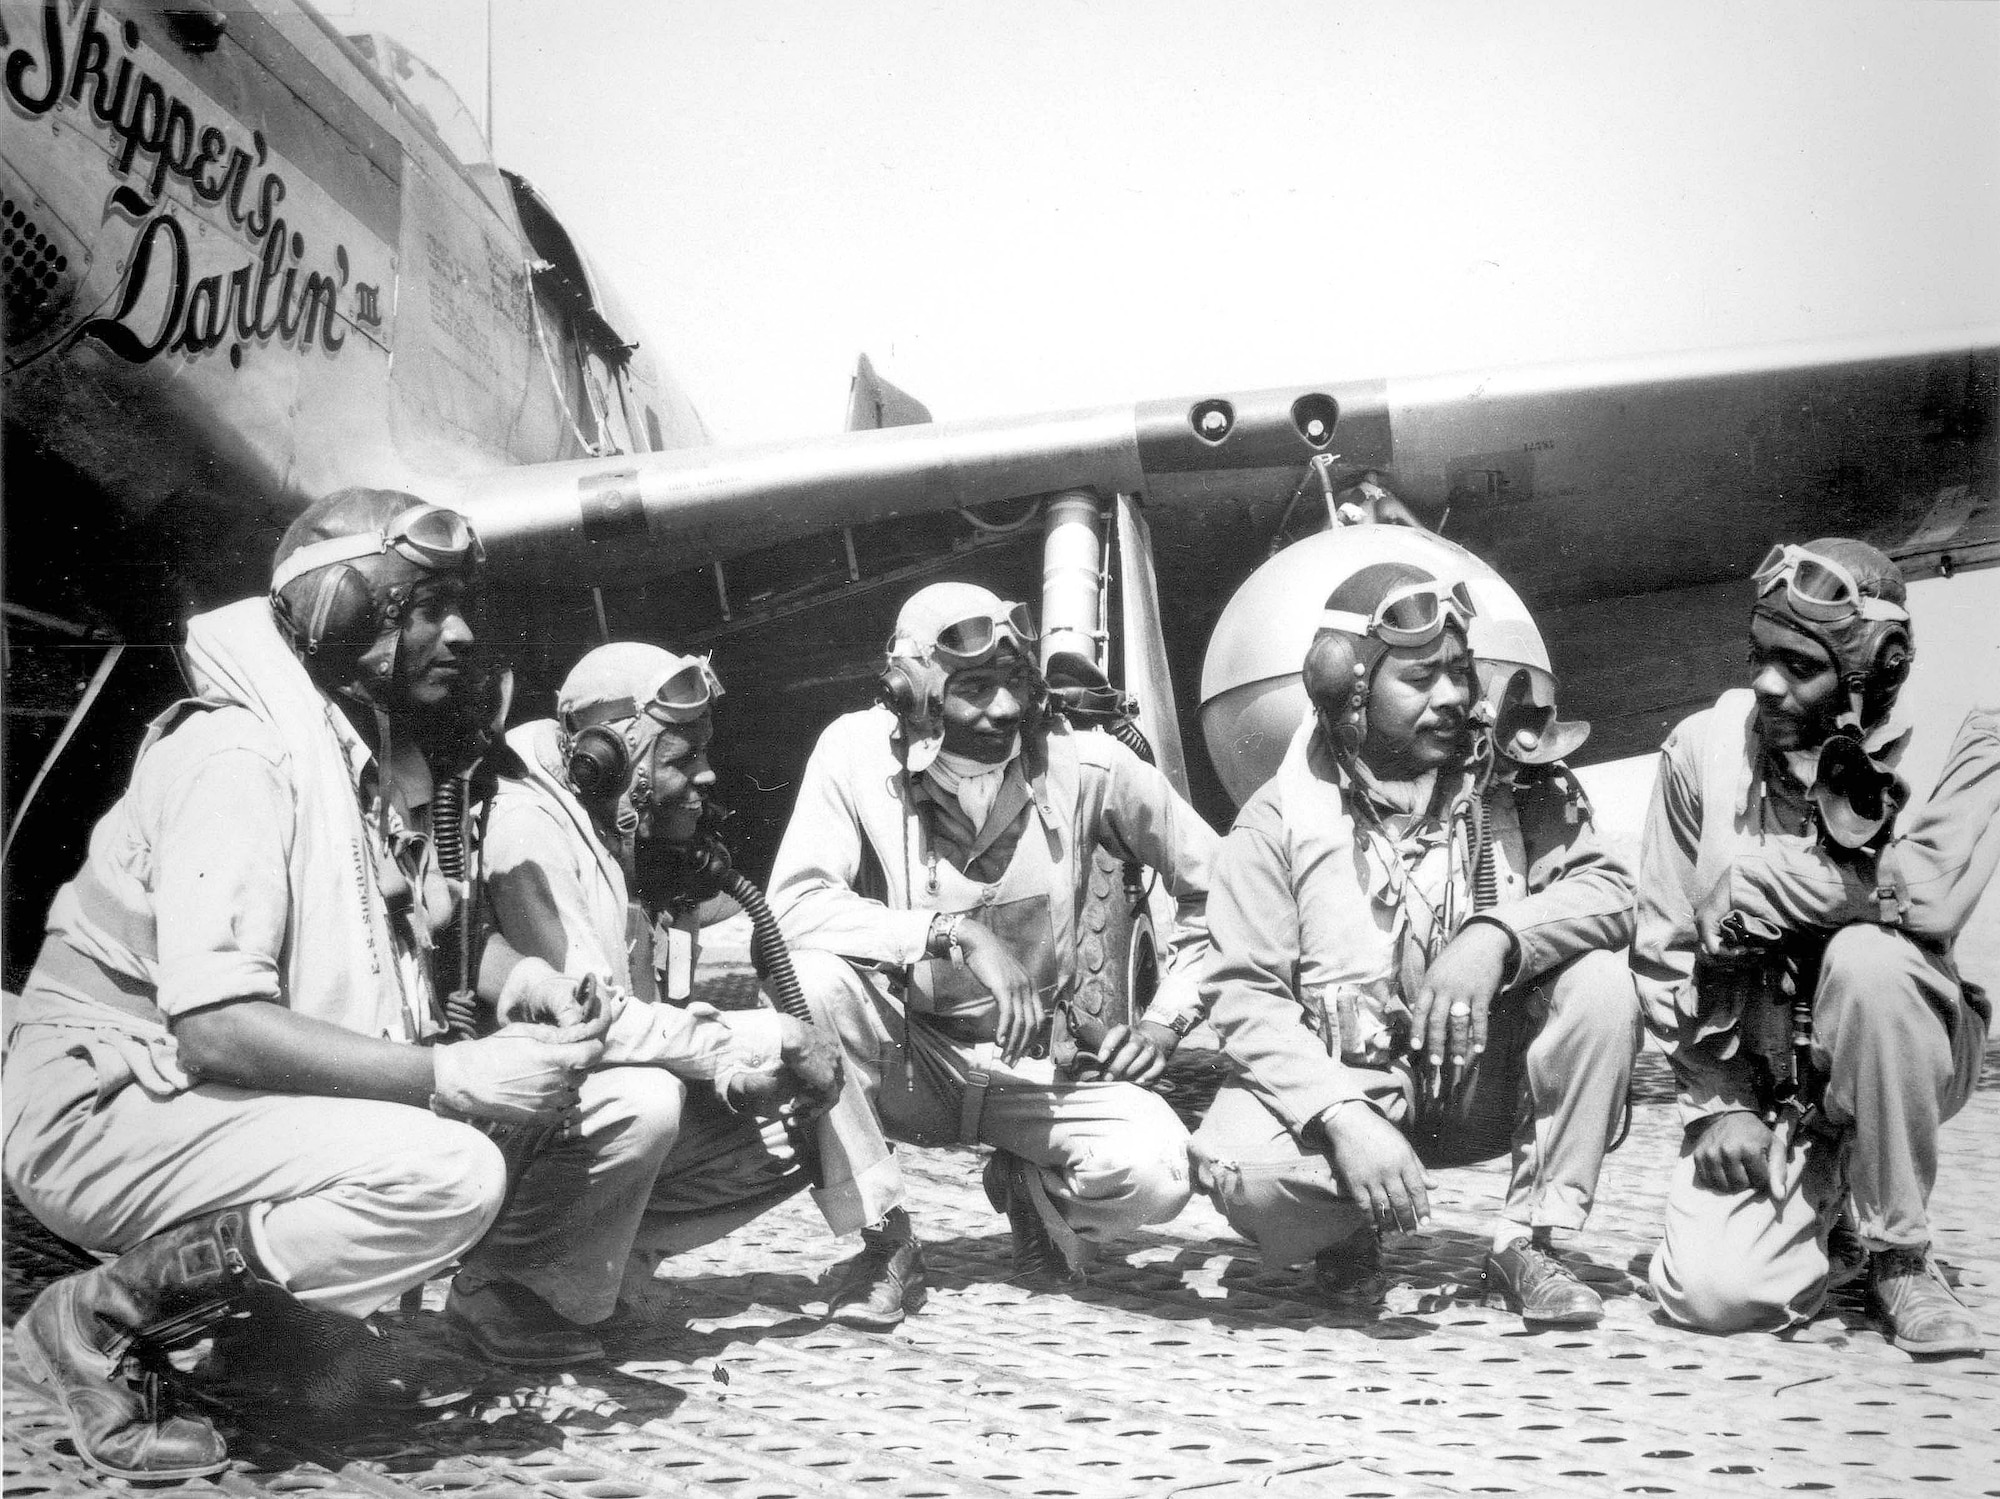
{"points": [[1054, 203]]}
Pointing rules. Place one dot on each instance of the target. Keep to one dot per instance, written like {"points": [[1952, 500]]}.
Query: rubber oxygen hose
{"points": [[773, 962]]}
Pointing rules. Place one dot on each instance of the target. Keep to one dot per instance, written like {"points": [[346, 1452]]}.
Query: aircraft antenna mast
{"points": [[489, 77]]}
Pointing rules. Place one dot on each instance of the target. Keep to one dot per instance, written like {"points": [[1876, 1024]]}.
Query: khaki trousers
{"points": [[1113, 1156], [1900, 1051], [658, 1166], [1550, 1087], [351, 1202]]}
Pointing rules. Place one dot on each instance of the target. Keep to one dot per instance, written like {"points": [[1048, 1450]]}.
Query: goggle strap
{"points": [[318, 554], [1340, 619], [592, 714]]}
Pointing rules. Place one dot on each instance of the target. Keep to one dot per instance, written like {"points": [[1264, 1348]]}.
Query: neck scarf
{"points": [[974, 783]]}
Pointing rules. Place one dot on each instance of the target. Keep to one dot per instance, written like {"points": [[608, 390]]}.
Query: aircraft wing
{"points": [[617, 519], [1634, 477], [1625, 502]]}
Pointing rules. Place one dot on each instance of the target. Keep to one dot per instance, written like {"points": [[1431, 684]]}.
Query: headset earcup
{"points": [[345, 612], [334, 606], [598, 762], [899, 690], [1892, 661], [1891, 668]]}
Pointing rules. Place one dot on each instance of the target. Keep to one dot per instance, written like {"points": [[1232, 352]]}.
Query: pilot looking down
{"points": [[1795, 958], [933, 870], [1381, 1010], [679, 1143], [216, 1071]]}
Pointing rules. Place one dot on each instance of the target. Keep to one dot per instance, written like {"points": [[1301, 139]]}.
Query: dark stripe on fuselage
{"points": [[311, 120]]}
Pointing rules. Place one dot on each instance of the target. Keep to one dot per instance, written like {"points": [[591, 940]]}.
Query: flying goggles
{"points": [[683, 696], [1819, 589], [969, 641], [435, 539], [1414, 614]]}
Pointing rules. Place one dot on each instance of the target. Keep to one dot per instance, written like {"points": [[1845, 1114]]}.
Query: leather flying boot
{"points": [[1924, 1317], [1046, 1249], [883, 1282], [97, 1342], [1526, 1277], [508, 1323]]}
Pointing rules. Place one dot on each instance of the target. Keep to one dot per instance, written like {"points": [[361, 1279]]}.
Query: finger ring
{"points": [[1459, 1011]]}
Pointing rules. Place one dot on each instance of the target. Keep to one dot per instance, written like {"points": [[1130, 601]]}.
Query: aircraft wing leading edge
{"points": [[629, 516]]}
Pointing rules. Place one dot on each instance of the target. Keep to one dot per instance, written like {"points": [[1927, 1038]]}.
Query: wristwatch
{"points": [[944, 933], [1180, 1025]]}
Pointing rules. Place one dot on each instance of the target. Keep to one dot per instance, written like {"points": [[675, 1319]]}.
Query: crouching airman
{"points": [[1414, 963]]}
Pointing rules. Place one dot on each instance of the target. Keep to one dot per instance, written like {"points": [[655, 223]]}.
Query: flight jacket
{"points": [[1303, 921], [845, 869], [1728, 822]]}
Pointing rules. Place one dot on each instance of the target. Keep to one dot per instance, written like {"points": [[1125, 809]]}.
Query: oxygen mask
{"points": [[1858, 796]]}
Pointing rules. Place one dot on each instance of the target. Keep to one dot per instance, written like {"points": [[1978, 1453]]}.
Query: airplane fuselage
{"points": [[247, 268]]}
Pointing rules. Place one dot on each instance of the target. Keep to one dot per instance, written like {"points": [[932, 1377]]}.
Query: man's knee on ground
{"points": [[1710, 1289]]}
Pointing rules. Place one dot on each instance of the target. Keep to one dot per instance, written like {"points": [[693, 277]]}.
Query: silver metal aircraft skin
{"points": [[249, 261]]}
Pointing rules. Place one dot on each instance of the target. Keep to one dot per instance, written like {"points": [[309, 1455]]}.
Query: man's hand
{"points": [[1729, 936], [1734, 1154], [1717, 940], [1450, 1015], [808, 1075], [1135, 1053], [517, 1075], [550, 999], [1376, 1167], [988, 960]]}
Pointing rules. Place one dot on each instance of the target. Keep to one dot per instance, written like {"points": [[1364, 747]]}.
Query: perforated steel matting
{"points": [[1183, 1368]]}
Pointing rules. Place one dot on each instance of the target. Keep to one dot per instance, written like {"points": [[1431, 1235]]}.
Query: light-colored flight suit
{"points": [[869, 857], [1318, 939], [1896, 1036], [241, 863], [659, 1163]]}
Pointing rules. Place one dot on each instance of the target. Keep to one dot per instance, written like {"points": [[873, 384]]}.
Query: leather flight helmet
{"points": [[1380, 605], [610, 698], [941, 629], [346, 569], [1851, 599]]}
